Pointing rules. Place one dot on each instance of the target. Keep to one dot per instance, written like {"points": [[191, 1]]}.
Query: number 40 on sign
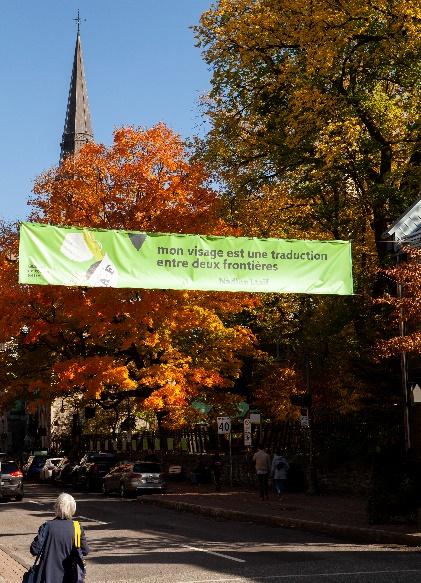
{"points": [[224, 425]]}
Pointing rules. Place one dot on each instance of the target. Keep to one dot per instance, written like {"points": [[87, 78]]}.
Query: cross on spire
{"points": [[78, 19]]}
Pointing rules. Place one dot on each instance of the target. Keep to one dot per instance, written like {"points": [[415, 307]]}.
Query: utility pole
{"points": [[404, 374], [312, 483]]}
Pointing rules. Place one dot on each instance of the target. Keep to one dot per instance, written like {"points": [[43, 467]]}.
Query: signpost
{"points": [[255, 419], [224, 425], [224, 428], [304, 418], [247, 432]]}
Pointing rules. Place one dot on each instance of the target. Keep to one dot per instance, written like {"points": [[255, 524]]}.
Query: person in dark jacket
{"points": [[216, 466], [55, 541]]}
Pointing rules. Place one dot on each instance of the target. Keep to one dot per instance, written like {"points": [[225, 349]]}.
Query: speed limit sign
{"points": [[224, 425]]}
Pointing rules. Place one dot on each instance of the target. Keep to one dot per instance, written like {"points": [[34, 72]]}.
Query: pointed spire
{"points": [[77, 127]]}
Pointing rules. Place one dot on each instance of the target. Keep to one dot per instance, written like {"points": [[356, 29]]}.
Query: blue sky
{"points": [[141, 66]]}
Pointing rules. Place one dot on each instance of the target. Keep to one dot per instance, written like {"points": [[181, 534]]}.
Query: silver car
{"points": [[134, 478], [47, 471], [11, 480]]}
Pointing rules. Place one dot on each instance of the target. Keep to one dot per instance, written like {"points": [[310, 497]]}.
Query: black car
{"points": [[33, 466], [88, 473], [11, 480]]}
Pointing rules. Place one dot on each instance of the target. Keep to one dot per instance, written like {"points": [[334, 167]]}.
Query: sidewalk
{"points": [[10, 570], [339, 516]]}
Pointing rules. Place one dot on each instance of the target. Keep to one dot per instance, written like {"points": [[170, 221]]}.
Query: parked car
{"points": [[62, 472], [47, 471], [33, 466], [134, 478], [175, 472], [11, 480], [88, 473]]}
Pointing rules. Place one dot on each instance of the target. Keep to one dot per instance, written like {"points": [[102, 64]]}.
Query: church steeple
{"points": [[77, 127]]}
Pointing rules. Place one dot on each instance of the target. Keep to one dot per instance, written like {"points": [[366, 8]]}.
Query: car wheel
{"points": [[122, 490], [19, 497]]}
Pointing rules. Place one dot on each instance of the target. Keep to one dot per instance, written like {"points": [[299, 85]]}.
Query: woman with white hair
{"points": [[55, 543]]}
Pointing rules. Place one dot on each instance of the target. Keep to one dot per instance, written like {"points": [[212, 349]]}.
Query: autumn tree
{"points": [[402, 305], [400, 341], [161, 348], [316, 104], [314, 133]]}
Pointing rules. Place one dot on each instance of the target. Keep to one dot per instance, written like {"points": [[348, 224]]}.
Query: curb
{"points": [[351, 533]]}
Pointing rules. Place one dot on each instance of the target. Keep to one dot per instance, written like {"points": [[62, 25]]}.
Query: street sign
{"points": [[247, 432], [416, 393], [224, 425], [255, 418]]}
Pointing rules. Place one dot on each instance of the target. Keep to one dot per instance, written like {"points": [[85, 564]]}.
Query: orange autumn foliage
{"points": [[164, 345], [403, 308]]}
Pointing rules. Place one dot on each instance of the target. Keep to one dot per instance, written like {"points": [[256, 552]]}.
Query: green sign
{"points": [[72, 256]]}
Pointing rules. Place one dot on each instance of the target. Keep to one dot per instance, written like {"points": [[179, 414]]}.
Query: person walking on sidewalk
{"points": [[216, 467], [261, 461], [55, 543], [279, 472]]}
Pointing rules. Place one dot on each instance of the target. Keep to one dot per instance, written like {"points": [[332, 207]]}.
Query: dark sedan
{"points": [[91, 469], [33, 466], [11, 480]]}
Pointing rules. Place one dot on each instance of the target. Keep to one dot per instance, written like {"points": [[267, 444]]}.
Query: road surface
{"points": [[132, 542]]}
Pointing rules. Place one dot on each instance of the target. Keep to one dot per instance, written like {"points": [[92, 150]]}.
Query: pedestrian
{"points": [[261, 461], [279, 472], [216, 467], [56, 544], [198, 473]]}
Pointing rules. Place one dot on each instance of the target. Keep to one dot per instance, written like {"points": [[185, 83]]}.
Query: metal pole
{"points": [[311, 469], [404, 377], [230, 445]]}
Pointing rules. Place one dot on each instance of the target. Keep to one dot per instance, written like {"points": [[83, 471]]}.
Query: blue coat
{"points": [[55, 561]]}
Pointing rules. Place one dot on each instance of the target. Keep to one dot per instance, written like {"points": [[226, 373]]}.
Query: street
{"points": [[131, 541]]}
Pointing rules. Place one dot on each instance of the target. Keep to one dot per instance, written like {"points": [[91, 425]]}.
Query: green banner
{"points": [[71, 256]]}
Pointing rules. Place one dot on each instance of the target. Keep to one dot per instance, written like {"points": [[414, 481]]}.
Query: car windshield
{"points": [[147, 468], [8, 467]]}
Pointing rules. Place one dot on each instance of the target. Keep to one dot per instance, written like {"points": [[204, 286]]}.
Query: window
{"points": [[8, 467]]}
